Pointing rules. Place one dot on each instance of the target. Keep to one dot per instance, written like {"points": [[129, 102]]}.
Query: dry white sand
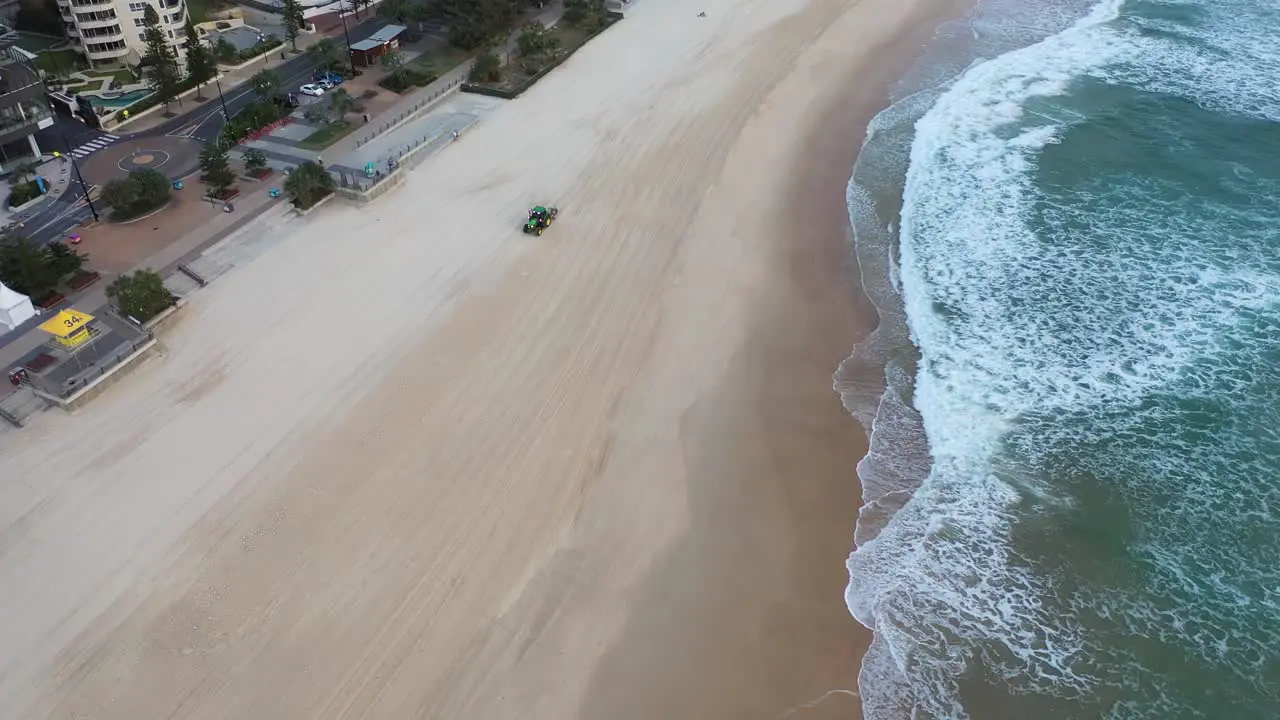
{"points": [[412, 463]]}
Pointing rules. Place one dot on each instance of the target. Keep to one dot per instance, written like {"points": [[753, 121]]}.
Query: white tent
{"points": [[15, 309]]}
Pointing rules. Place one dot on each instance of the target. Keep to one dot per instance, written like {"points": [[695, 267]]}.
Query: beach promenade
{"points": [[598, 474]]}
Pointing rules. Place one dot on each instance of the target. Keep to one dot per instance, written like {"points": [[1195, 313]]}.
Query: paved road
{"points": [[203, 122]]}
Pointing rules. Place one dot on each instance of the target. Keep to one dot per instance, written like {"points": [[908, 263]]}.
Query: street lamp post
{"points": [[76, 166], [218, 83], [66, 142], [347, 37]]}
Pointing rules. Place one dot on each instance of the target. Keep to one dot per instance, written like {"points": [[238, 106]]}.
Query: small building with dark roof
{"points": [[366, 52]]}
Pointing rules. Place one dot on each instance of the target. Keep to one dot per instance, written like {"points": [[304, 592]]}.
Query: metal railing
{"points": [[34, 115], [384, 127], [103, 366]]}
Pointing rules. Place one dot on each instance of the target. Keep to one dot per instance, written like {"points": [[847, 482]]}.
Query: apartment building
{"points": [[110, 31], [23, 108]]}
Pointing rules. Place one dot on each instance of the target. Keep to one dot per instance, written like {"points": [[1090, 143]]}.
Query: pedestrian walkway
{"points": [[93, 145], [57, 174], [424, 116], [249, 207]]}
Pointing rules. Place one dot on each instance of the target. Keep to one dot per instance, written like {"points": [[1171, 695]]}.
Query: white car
{"points": [[315, 90]]}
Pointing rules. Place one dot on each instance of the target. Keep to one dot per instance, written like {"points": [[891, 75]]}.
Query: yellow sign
{"points": [[76, 340], [66, 323]]}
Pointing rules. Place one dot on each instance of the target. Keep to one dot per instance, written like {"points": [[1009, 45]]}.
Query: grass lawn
{"points": [[199, 10], [442, 59], [124, 76], [36, 42], [519, 71], [327, 135], [82, 87], [64, 61]]}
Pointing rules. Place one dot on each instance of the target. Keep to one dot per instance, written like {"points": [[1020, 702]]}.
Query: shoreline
{"points": [[806, 662], [612, 479]]}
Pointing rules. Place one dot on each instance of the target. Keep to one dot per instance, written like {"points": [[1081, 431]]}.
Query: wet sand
{"points": [[460, 473]]}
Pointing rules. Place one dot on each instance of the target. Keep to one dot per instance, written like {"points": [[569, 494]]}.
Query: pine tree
{"points": [[294, 22], [200, 67], [160, 62], [215, 170]]}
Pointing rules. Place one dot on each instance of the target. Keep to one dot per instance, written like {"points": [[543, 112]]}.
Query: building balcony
{"points": [[101, 34], [170, 4], [107, 54], [85, 21], [22, 102], [88, 3], [24, 119]]}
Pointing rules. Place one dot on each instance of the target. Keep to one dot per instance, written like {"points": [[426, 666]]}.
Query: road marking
{"points": [[98, 143]]}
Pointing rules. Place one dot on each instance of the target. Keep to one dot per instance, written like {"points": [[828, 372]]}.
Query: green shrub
{"points": [[407, 78], [308, 184], [224, 51], [62, 260], [23, 193], [25, 267], [254, 160], [137, 194], [487, 68], [272, 42], [140, 295], [255, 116]]}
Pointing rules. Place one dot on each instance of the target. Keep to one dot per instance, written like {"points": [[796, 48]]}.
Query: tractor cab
{"points": [[540, 218]]}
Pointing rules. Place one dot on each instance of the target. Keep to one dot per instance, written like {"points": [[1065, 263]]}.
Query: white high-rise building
{"points": [[110, 31]]}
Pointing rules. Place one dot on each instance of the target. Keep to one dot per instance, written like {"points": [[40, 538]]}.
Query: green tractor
{"points": [[540, 218]]}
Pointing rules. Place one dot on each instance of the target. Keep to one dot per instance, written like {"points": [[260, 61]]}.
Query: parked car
{"points": [[310, 89], [286, 101], [328, 80]]}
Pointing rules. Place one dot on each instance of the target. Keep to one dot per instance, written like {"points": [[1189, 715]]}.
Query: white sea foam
{"points": [[1228, 57], [939, 579], [935, 573]]}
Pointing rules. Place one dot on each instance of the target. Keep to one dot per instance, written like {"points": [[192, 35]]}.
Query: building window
{"points": [[96, 16], [100, 32], [137, 22], [137, 7], [104, 47]]}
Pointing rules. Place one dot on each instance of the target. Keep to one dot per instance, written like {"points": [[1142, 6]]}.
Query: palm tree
{"points": [[340, 103], [326, 54], [397, 10], [267, 83], [26, 170]]}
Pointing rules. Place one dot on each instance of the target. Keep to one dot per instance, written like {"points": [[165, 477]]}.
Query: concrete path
{"points": [[250, 205], [453, 114], [57, 173]]}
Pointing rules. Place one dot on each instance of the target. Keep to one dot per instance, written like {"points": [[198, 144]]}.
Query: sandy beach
{"points": [[411, 463]]}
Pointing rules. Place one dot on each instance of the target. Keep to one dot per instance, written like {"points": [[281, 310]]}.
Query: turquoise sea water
{"points": [[122, 100], [1070, 223]]}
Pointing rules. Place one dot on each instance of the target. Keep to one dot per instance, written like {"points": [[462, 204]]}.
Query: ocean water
{"points": [[1069, 221]]}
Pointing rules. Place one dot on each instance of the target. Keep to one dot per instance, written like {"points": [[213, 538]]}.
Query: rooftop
{"points": [[382, 37]]}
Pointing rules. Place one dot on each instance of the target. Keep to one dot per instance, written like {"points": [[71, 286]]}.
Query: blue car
{"points": [[328, 80]]}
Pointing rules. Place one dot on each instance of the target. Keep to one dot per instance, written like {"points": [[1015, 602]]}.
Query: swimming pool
{"points": [[120, 101]]}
